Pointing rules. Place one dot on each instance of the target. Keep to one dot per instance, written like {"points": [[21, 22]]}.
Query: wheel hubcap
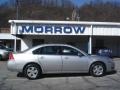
{"points": [[32, 72], [98, 70]]}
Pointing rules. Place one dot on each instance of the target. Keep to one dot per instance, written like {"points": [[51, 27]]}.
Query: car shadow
{"points": [[65, 75], [21, 75], [111, 73]]}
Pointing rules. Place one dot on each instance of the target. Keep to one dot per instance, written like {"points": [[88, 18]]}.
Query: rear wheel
{"points": [[97, 70], [32, 71]]}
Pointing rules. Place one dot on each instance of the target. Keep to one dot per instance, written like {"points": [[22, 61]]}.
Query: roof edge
{"points": [[64, 22]]}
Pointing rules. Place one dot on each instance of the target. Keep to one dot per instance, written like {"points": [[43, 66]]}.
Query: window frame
{"points": [[41, 53], [71, 49]]}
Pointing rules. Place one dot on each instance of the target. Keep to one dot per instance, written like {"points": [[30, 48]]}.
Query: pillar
{"points": [[90, 45]]}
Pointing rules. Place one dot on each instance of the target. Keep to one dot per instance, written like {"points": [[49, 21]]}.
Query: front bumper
{"points": [[111, 67]]}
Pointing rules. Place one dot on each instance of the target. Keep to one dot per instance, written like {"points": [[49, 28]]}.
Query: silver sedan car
{"points": [[58, 58]]}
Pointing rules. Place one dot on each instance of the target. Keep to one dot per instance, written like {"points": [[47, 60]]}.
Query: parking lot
{"points": [[10, 81]]}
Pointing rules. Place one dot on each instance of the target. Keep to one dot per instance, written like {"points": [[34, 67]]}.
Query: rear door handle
{"points": [[41, 57]]}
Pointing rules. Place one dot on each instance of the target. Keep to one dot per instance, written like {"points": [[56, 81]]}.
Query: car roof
{"points": [[42, 45], [54, 45]]}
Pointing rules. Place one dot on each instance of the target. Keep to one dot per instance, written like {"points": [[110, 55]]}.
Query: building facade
{"points": [[82, 34]]}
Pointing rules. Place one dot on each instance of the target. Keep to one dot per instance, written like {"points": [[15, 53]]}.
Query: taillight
{"points": [[11, 56]]}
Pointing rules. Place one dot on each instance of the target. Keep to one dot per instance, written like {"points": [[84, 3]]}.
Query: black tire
{"points": [[97, 69], [32, 71]]}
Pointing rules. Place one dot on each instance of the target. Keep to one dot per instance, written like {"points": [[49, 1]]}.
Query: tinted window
{"points": [[69, 51], [37, 51], [49, 50]]}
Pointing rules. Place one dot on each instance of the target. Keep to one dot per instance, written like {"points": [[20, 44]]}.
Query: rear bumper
{"points": [[11, 65]]}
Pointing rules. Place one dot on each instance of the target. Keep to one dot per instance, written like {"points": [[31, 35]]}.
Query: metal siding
{"points": [[106, 31], [99, 28]]}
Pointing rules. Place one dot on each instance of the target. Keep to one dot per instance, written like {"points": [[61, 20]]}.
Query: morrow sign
{"points": [[51, 29]]}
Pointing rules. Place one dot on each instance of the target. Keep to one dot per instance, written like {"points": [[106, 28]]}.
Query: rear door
{"points": [[50, 59]]}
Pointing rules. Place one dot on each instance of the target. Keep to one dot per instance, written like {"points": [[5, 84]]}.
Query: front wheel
{"points": [[97, 70], [32, 71]]}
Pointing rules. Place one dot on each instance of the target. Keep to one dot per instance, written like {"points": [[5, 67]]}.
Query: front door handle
{"points": [[66, 57]]}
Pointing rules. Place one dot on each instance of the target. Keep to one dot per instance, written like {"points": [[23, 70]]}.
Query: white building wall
{"points": [[7, 36], [26, 43]]}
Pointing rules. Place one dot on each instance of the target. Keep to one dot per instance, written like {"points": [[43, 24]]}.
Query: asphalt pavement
{"points": [[10, 81]]}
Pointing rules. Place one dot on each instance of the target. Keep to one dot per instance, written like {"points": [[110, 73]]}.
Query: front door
{"points": [[73, 60]]}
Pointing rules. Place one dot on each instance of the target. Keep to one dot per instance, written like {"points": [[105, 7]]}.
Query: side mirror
{"points": [[80, 54]]}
